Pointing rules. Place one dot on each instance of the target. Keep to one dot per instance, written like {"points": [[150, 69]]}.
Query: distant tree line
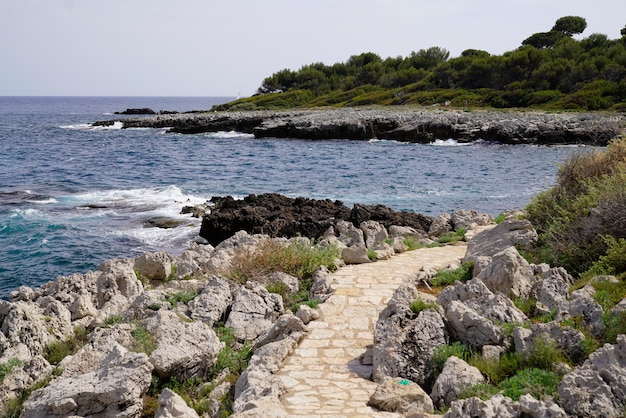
{"points": [[549, 70]]}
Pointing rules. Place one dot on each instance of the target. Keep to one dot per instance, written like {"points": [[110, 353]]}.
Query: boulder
{"points": [[307, 314], [469, 219], [441, 225], [514, 232], [552, 289], [114, 389], [374, 234], [23, 330], [583, 305], [348, 234], [117, 278], [290, 283], [321, 284], [456, 376], [171, 405], [212, 304], [356, 254], [471, 328], [401, 396], [598, 387], [508, 273], [568, 340], [403, 341], [222, 255], [154, 266], [253, 311], [184, 349], [500, 406], [22, 377]]}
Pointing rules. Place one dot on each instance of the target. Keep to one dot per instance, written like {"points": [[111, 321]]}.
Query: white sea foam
{"points": [[89, 127], [449, 143], [228, 135]]}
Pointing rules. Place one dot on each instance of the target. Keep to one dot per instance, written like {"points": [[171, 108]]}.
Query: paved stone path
{"points": [[324, 377]]}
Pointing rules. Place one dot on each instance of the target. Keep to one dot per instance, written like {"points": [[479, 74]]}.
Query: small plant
{"points": [[419, 305], [453, 236], [412, 243], [443, 352], [500, 218], [143, 341], [448, 277], [298, 258], [7, 368], [483, 391], [548, 317], [527, 306], [533, 381], [615, 324], [58, 350], [184, 296], [279, 288], [372, 255], [114, 319]]}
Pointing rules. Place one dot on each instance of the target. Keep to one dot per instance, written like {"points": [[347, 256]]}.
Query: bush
{"points": [[587, 204], [7, 368], [448, 277], [143, 341], [443, 352], [419, 305], [184, 296], [58, 350], [533, 381], [298, 258]]}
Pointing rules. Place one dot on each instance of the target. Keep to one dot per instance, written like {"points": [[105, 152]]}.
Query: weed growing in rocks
{"points": [[58, 350], [412, 243], [7, 368], [143, 341], [448, 277], [453, 236], [298, 258], [184, 296], [419, 305]]}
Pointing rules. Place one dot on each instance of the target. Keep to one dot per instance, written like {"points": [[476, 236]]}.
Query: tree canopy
{"points": [[549, 70]]}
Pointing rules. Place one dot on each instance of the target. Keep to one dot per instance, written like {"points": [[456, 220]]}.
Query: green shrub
{"points": [[613, 262], [59, 349], [483, 391], [372, 255], [419, 305], [452, 236], [448, 277], [412, 243], [298, 258], [143, 341], [443, 352], [533, 381], [7, 368], [527, 306], [113, 319], [587, 204], [615, 324], [184, 296]]}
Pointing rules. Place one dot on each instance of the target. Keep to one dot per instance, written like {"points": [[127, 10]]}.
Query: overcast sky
{"points": [[227, 48]]}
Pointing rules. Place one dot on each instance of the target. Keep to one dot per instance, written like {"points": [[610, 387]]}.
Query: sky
{"points": [[227, 48]]}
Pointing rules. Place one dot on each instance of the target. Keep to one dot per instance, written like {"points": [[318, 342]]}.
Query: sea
{"points": [[73, 195]]}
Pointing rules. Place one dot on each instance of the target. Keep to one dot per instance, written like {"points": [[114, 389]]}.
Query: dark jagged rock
{"points": [[137, 111], [280, 216], [400, 124]]}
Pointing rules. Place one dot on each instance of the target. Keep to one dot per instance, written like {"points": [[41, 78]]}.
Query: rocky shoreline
{"points": [[400, 124], [157, 318]]}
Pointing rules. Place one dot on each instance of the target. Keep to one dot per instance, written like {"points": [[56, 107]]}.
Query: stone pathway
{"points": [[324, 377]]}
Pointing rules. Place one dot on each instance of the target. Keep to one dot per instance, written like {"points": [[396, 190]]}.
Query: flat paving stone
{"points": [[324, 376]]}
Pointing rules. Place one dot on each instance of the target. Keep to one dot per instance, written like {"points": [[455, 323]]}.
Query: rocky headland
{"points": [[400, 124], [136, 323]]}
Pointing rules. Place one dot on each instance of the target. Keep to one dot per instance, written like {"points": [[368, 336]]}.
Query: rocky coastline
{"points": [[137, 327], [400, 124]]}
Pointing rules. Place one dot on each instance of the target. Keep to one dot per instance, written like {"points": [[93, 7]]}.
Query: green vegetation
{"points": [[59, 349], [581, 221], [7, 368], [448, 277], [452, 236], [419, 305], [298, 258], [114, 319], [514, 374], [550, 70], [412, 243], [143, 341], [184, 296]]}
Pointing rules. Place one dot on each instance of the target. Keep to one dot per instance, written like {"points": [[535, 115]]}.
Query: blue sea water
{"points": [[72, 196]]}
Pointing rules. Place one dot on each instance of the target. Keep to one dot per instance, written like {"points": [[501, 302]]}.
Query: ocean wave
{"points": [[228, 135], [117, 125]]}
